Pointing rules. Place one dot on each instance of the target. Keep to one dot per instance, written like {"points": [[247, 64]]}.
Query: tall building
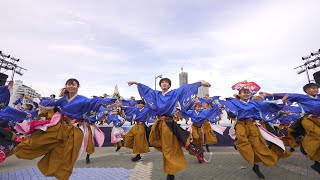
{"points": [[202, 91], [20, 88], [183, 77]]}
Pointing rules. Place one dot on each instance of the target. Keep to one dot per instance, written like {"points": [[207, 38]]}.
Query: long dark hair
{"points": [[63, 91]]}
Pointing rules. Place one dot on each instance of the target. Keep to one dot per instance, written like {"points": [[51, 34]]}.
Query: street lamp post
{"points": [[7, 62], [309, 63], [155, 81]]}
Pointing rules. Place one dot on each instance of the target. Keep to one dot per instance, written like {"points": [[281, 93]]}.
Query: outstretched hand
{"points": [[284, 99], [266, 94], [132, 82], [205, 84], [10, 84]]}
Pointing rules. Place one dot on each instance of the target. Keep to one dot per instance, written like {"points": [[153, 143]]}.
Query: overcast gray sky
{"points": [[104, 43]]}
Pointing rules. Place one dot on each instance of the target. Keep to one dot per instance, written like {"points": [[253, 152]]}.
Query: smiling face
{"points": [[197, 107], [244, 94], [312, 91], [72, 87]]}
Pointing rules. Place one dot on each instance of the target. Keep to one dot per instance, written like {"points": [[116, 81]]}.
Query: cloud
{"points": [[107, 43]]}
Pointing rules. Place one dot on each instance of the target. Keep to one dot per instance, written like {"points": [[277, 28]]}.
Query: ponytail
{"points": [[63, 92]]}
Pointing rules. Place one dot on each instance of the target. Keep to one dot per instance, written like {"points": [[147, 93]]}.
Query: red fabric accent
{"points": [[286, 138], [2, 156], [78, 121], [67, 118], [34, 124], [18, 139]]}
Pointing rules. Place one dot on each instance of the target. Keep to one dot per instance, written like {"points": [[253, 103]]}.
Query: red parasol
{"points": [[251, 86]]}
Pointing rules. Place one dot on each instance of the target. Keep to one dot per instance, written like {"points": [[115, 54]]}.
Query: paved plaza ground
{"points": [[226, 163]]}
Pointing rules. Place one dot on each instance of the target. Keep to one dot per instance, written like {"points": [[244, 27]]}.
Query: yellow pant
{"points": [[136, 139], [118, 144], [60, 145], [276, 149], [279, 152], [46, 113], [209, 136], [311, 140], [251, 145], [290, 142], [197, 137], [162, 138], [90, 146]]}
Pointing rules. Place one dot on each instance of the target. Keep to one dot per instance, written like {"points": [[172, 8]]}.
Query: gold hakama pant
{"points": [[136, 139], [209, 136], [90, 145], [252, 146], [163, 139], [311, 140], [289, 142], [46, 113], [197, 135], [59, 145]]}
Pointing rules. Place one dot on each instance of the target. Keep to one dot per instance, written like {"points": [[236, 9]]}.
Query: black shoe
{"points": [[316, 166], [207, 147], [257, 171], [170, 177], [302, 150], [88, 159], [118, 148], [137, 158], [235, 147], [292, 149]]}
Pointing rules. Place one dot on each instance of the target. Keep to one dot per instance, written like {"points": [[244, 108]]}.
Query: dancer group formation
{"points": [[267, 126]]}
